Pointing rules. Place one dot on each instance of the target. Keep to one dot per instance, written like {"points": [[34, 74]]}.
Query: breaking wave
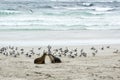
{"points": [[59, 16]]}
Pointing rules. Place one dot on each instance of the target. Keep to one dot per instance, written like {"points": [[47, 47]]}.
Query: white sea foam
{"points": [[103, 9]]}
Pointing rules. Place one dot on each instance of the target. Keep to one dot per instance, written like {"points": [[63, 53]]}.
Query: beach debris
{"points": [[48, 75], [27, 74], [119, 60], [37, 72]]}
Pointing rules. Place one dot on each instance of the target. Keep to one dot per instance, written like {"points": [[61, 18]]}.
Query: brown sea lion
{"points": [[40, 60], [54, 59]]}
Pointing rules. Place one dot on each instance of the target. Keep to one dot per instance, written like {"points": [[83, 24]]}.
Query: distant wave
{"points": [[95, 8], [103, 9], [87, 4], [74, 13], [41, 29], [46, 6], [8, 12], [52, 29], [58, 28]]}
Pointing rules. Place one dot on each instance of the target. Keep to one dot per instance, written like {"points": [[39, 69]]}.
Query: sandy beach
{"points": [[100, 67], [60, 40], [105, 65]]}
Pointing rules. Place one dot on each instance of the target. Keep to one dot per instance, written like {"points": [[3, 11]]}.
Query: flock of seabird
{"points": [[72, 53]]}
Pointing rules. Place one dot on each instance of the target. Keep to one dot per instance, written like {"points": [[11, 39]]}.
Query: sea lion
{"points": [[40, 60], [54, 59]]}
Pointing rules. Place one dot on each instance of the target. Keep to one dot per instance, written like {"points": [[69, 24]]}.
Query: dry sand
{"points": [[104, 67]]}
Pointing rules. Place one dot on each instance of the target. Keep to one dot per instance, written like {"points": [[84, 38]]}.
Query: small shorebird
{"points": [[102, 48], [93, 48], [84, 54], [116, 51], [108, 47]]}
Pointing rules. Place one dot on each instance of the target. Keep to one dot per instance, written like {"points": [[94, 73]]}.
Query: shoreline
{"points": [[61, 42], [60, 38]]}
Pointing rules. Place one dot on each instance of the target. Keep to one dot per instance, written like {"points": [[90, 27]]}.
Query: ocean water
{"points": [[54, 15]]}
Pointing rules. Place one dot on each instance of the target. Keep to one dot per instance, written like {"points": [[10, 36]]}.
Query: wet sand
{"points": [[59, 38]]}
